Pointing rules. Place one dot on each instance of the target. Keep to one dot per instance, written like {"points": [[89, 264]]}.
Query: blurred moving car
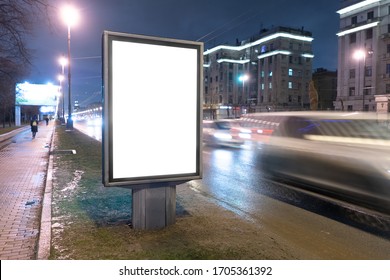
{"points": [[224, 133], [343, 155], [260, 130]]}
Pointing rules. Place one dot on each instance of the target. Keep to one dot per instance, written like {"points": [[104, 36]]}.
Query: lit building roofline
{"points": [[273, 53], [233, 61], [260, 41], [356, 6], [356, 29]]}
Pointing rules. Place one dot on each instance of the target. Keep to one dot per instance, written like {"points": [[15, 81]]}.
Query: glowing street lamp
{"points": [[70, 16]]}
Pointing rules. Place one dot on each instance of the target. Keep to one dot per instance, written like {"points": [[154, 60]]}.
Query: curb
{"points": [[44, 240]]}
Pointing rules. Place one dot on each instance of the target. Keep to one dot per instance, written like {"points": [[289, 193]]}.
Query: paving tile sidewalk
{"points": [[23, 169]]}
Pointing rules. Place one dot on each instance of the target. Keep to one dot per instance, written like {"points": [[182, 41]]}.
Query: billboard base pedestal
{"points": [[154, 206]]}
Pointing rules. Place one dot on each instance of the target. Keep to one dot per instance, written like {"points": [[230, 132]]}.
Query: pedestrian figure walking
{"points": [[47, 120], [34, 126]]}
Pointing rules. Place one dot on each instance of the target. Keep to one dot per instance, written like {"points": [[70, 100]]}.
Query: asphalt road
{"points": [[310, 224], [334, 229]]}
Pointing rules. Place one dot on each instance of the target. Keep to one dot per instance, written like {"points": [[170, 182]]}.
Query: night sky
{"points": [[213, 22]]}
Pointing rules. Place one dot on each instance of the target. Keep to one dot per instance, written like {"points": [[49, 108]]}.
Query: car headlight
{"points": [[244, 135], [223, 136], [245, 130]]}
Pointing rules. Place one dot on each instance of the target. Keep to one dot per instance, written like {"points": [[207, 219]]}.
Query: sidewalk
{"points": [[23, 170]]}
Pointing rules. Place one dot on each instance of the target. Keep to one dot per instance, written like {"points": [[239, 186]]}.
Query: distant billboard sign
{"points": [[152, 109], [36, 94]]}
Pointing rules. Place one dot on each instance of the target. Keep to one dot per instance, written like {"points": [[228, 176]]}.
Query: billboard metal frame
{"points": [[111, 121]]}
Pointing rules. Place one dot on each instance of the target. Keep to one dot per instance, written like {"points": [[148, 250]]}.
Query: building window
{"points": [[352, 91], [354, 20], [262, 86], [262, 74], [290, 72], [367, 91], [370, 15], [352, 73], [369, 33], [289, 98], [352, 38], [349, 108], [270, 74], [388, 28], [387, 68], [290, 85], [388, 86], [270, 85], [368, 71]]}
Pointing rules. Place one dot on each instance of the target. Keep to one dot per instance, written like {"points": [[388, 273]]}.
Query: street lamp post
{"points": [[61, 78], [243, 78], [70, 17], [62, 62], [359, 55]]}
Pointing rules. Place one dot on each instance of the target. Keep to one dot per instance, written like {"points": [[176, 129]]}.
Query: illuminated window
{"points": [[290, 72], [290, 85]]}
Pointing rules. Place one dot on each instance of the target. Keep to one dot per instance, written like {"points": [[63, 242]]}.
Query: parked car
{"points": [[224, 133], [343, 155]]}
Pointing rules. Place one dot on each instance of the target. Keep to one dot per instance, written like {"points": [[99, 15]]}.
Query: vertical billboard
{"points": [[152, 109]]}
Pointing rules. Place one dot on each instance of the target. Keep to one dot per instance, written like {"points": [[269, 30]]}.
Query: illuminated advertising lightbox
{"points": [[36, 94], [152, 109]]}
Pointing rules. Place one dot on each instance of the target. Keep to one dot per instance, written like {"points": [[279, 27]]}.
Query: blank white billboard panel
{"points": [[152, 109]]}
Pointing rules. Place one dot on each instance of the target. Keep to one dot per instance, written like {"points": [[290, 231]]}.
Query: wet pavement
{"points": [[23, 170]]}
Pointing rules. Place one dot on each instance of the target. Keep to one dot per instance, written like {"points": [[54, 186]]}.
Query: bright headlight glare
{"points": [[245, 130], [244, 135], [222, 136]]}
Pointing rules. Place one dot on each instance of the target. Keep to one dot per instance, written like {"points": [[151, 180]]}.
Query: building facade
{"points": [[270, 71], [363, 56], [325, 82]]}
